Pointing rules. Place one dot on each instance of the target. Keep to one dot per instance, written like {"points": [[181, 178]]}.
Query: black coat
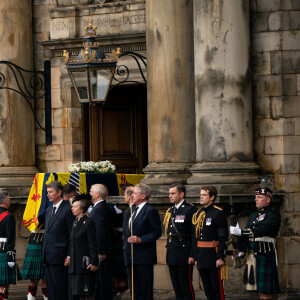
{"points": [[179, 239], [56, 246], [215, 228], [8, 230], [101, 215], [264, 222], [83, 243], [147, 227]]}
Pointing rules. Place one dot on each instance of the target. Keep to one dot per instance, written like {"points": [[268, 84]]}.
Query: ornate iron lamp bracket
{"points": [[124, 73], [39, 83]]}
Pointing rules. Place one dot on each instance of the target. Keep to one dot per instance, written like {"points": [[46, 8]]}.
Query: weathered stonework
{"points": [[203, 127], [277, 151]]}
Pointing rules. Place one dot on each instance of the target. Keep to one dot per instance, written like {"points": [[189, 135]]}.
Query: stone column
{"points": [[171, 106], [17, 149], [224, 139]]}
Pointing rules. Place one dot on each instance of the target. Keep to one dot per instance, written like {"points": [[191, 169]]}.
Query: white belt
{"points": [[268, 239], [40, 231], [265, 239], [3, 240]]}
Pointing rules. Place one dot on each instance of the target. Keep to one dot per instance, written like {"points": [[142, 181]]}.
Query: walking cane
{"points": [[132, 289]]}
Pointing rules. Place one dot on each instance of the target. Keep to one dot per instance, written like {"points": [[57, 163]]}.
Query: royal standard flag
{"points": [[38, 201], [30, 217], [131, 179]]}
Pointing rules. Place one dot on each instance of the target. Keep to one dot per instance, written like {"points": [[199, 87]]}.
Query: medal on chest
{"points": [[208, 222], [179, 218], [261, 217]]}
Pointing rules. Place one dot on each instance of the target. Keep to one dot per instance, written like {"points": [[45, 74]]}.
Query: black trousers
{"points": [[213, 286], [104, 284], [182, 281], [57, 281], [142, 281]]}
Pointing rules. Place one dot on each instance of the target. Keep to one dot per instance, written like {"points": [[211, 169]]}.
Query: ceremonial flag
{"points": [[132, 179], [30, 217], [38, 201]]}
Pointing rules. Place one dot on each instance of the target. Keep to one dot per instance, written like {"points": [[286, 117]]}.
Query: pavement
{"points": [[19, 292]]}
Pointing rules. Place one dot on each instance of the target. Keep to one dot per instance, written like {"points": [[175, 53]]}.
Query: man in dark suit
{"points": [[101, 216], [140, 248], [58, 225], [180, 253]]}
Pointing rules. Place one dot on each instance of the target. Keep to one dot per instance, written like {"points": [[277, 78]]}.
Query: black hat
{"points": [[264, 191], [82, 197]]}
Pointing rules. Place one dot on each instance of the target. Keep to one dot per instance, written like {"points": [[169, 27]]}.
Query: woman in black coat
{"points": [[84, 258]]}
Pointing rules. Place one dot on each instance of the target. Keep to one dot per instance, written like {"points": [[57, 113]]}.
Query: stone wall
{"points": [[275, 64], [275, 33], [59, 25]]}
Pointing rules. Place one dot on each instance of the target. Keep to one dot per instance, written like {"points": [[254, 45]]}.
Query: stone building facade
{"points": [[222, 104]]}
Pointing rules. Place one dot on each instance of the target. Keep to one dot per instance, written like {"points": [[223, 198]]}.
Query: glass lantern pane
{"points": [[100, 83], [79, 79]]}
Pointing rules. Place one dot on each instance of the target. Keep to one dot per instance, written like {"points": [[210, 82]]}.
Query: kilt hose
{"points": [[7, 274], [266, 274], [33, 266]]}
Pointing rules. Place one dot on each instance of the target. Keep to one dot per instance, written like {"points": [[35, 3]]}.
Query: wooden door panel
{"points": [[117, 131]]}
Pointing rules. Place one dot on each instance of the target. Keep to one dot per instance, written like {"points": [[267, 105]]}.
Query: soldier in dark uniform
{"points": [[179, 229], [7, 246], [211, 235], [261, 231]]}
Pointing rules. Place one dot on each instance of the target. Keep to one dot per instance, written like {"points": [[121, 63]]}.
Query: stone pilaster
{"points": [[171, 122], [224, 146], [17, 149]]}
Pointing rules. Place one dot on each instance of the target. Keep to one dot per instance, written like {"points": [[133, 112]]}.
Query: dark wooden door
{"points": [[117, 130]]}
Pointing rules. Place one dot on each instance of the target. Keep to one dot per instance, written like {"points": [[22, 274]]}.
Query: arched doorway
{"points": [[117, 130]]}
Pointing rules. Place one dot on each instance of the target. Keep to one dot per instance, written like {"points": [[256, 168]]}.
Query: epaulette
{"points": [[217, 207]]}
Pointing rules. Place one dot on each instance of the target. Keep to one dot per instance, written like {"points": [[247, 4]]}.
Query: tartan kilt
{"points": [[266, 274], [7, 274], [33, 266]]}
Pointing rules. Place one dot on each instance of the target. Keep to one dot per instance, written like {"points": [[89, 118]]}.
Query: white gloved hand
{"points": [[11, 264], [235, 230]]}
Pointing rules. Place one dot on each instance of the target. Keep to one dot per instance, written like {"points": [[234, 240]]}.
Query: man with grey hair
{"points": [[56, 247], [101, 216], [141, 230], [7, 246]]}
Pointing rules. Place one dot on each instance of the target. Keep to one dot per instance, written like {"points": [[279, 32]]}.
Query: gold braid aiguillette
{"points": [[167, 220], [198, 222]]}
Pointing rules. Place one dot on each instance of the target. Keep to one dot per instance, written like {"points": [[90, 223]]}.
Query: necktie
{"points": [[53, 213], [133, 215]]}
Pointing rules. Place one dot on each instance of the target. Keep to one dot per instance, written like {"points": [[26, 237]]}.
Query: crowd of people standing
{"points": [[73, 253]]}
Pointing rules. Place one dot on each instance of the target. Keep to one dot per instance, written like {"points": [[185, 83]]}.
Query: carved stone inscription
{"points": [[113, 24], [62, 28]]}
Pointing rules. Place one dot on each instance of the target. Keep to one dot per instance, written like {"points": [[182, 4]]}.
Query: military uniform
{"points": [[262, 229], [211, 235], [7, 247], [179, 230]]}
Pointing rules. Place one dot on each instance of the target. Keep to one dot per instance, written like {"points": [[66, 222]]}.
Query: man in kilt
{"points": [[7, 246], [261, 231], [33, 266]]}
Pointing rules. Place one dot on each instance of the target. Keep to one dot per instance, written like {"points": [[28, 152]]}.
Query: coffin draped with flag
{"points": [[38, 201]]}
